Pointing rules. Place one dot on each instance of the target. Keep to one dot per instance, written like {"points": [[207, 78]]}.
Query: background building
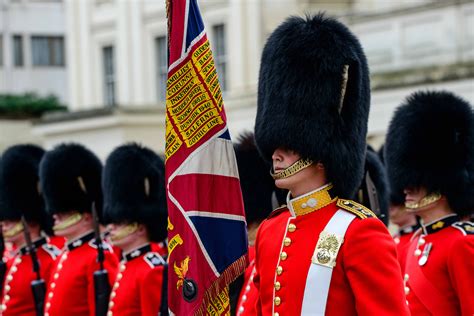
{"points": [[116, 60], [32, 58], [32, 47]]}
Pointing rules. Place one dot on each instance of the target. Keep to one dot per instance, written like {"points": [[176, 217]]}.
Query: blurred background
{"points": [[94, 71]]}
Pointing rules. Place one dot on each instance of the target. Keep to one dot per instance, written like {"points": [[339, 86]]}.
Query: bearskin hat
{"points": [[255, 181], [134, 189], [20, 193], [70, 176], [314, 97], [381, 153], [430, 144], [374, 172]]}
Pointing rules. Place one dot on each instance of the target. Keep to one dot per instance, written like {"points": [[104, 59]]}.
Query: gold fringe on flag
{"points": [[218, 286]]}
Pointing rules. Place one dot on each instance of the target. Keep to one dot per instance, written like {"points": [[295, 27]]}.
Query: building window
{"points": [[220, 57], [17, 50], [109, 75], [47, 50], [161, 67]]}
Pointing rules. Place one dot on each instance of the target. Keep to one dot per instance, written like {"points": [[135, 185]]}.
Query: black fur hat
{"points": [[20, 192], [255, 180], [314, 97], [134, 189], [430, 143], [375, 171], [381, 154], [395, 197], [70, 177]]}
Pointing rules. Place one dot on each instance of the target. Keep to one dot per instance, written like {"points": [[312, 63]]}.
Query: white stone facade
{"points": [[410, 45], [29, 19]]}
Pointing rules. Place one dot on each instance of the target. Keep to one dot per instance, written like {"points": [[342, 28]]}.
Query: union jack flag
{"points": [[206, 228]]}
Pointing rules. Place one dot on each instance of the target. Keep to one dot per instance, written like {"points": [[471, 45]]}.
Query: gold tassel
{"points": [[345, 77], [82, 184], [147, 187]]}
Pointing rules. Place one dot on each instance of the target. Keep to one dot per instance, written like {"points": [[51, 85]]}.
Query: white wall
{"points": [[428, 36], [29, 18], [434, 37]]}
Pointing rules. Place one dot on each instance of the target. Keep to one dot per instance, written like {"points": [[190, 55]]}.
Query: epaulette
{"points": [[52, 250], [105, 245], [358, 209], [154, 259], [277, 211], [467, 228]]}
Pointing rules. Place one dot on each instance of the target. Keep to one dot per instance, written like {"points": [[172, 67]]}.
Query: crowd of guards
{"points": [[84, 239]]}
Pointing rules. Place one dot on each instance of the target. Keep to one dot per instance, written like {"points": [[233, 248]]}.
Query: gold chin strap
{"points": [[429, 199], [15, 230], [291, 170], [68, 222], [125, 231]]}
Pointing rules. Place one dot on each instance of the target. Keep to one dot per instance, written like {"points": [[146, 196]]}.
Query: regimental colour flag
{"points": [[206, 226]]}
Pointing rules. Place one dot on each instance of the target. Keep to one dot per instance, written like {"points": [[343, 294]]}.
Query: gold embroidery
{"points": [[181, 271], [326, 249]]}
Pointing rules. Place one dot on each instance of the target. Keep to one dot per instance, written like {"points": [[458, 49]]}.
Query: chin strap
{"points": [[427, 200], [68, 222], [291, 170], [124, 232], [15, 230]]}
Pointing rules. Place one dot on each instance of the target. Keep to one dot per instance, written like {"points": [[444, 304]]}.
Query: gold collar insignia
{"points": [[311, 201]]}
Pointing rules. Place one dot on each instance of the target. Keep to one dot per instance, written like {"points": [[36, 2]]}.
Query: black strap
{"points": [[164, 293]]}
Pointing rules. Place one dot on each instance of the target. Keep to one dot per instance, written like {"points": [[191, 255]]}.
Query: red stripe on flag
{"points": [[196, 192], [176, 34]]}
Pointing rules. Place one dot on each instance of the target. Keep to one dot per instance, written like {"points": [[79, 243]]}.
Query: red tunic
{"points": [[446, 269], [249, 293], [71, 289], [18, 297], [366, 280], [402, 240], [138, 285]]}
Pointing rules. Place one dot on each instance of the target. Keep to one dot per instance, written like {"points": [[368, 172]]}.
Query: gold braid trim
{"points": [[429, 199], [68, 222], [124, 232], [291, 170], [15, 230]]}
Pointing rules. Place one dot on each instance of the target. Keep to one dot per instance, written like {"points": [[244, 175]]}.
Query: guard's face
{"points": [[303, 180], [11, 231], [71, 230], [414, 194], [283, 158], [123, 234]]}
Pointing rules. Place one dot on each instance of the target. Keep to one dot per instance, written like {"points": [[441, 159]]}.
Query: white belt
{"points": [[324, 258]]}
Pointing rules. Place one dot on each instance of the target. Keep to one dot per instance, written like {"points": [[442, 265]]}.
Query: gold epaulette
{"points": [[277, 211], [358, 209]]}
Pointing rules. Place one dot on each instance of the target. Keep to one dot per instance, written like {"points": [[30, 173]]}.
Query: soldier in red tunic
{"points": [[257, 191], [135, 205], [70, 178], [430, 156], [320, 254], [20, 196]]}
